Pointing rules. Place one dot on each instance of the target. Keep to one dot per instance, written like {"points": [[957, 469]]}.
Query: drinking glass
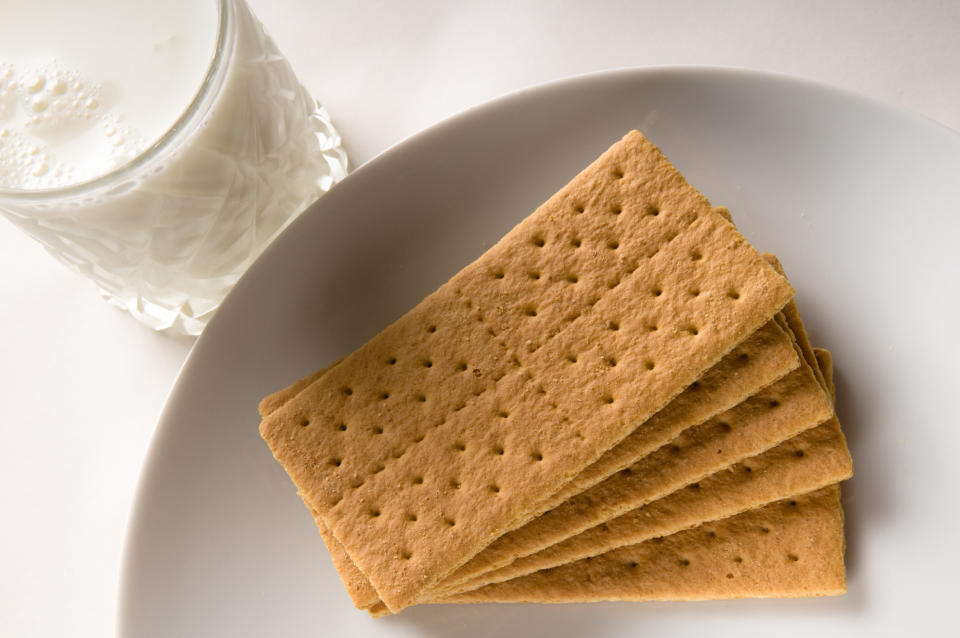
{"points": [[166, 235]]}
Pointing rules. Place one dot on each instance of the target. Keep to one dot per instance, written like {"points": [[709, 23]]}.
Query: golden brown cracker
{"points": [[790, 548], [580, 324], [752, 365]]}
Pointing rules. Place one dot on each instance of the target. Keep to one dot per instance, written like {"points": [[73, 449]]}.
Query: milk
{"points": [[164, 220], [87, 86]]}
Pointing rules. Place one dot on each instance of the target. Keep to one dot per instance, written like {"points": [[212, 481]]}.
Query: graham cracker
{"points": [[771, 475], [789, 548], [577, 326], [758, 361], [825, 574], [761, 358], [791, 405]]}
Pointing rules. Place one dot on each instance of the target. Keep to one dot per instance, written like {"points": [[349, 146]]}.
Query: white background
{"points": [[82, 385]]}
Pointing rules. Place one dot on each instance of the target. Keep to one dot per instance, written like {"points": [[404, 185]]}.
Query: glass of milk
{"points": [[155, 147]]}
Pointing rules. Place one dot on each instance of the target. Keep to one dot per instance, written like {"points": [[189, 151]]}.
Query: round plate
{"points": [[859, 201]]}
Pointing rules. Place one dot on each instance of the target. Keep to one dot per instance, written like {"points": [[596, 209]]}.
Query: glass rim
{"points": [[180, 125]]}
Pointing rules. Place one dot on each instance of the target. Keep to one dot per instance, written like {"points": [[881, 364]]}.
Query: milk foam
{"points": [[86, 86]]}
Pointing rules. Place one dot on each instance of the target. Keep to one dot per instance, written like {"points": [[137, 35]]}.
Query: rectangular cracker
{"points": [[789, 548], [789, 406], [733, 379], [543, 347], [828, 562], [808, 461], [753, 364], [758, 360]]}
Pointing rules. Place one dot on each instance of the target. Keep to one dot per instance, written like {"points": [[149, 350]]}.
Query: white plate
{"points": [[859, 200]]}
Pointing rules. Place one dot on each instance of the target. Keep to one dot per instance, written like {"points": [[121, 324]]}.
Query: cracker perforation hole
{"points": [[533, 275], [684, 562], [656, 291], [460, 446], [572, 279], [724, 426], [764, 530], [348, 391], [578, 209], [538, 241], [798, 454], [537, 456], [576, 242], [417, 480], [392, 361], [406, 555], [747, 469], [462, 366], [729, 575], [696, 255], [695, 292], [616, 209], [649, 365], [341, 427], [422, 398], [617, 173], [495, 489], [428, 363], [607, 399], [455, 484], [304, 422], [497, 274], [378, 429], [530, 311], [733, 294], [571, 358], [613, 244], [449, 522], [336, 462], [411, 517], [633, 564], [613, 325], [498, 450], [612, 362], [692, 330], [773, 403], [652, 210], [384, 396], [374, 513], [738, 560], [793, 558], [431, 328]]}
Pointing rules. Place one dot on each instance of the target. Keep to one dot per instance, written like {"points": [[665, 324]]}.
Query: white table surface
{"points": [[83, 384]]}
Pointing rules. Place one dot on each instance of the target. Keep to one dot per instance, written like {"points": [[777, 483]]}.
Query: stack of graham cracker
{"points": [[617, 401]]}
